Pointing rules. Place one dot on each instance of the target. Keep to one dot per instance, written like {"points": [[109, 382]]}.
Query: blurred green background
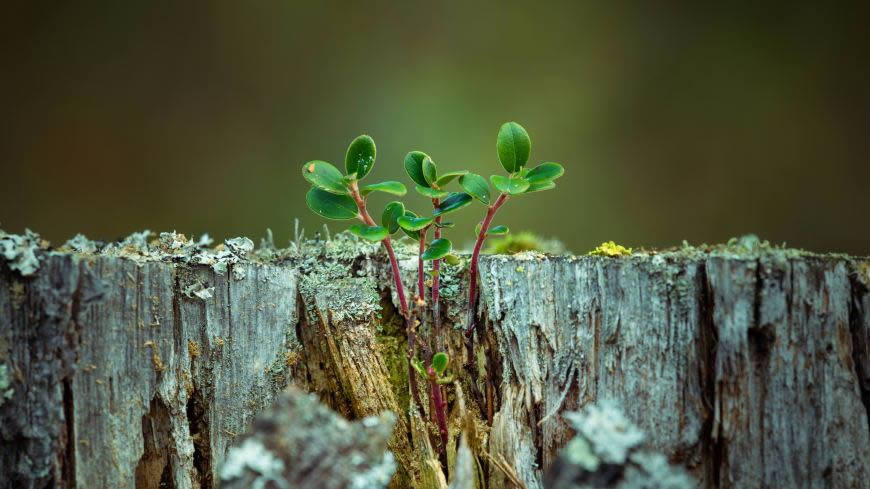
{"points": [[690, 122]]}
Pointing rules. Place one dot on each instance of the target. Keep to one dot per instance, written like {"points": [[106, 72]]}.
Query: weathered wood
{"points": [[746, 364]]}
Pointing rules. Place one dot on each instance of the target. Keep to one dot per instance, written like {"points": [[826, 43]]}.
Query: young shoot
{"points": [[339, 196], [513, 147], [423, 171]]}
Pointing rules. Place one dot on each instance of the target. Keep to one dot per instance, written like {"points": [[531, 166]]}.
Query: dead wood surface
{"points": [[748, 366]]}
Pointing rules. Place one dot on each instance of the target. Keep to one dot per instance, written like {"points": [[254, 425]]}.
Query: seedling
{"points": [[513, 147], [423, 171], [338, 196]]}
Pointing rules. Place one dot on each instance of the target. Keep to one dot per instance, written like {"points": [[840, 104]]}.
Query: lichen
{"points": [[609, 248], [80, 244], [6, 390], [21, 251], [607, 444], [253, 456]]}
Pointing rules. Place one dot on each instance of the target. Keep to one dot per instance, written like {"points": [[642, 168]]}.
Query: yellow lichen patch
{"points": [[290, 358], [155, 357], [864, 268], [610, 248], [192, 349]]}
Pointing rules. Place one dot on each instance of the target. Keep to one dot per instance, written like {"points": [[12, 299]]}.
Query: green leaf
{"points": [[437, 249], [414, 223], [453, 202], [544, 172], [324, 176], [439, 363], [508, 185], [394, 188], [513, 146], [444, 224], [371, 233], [448, 177], [349, 179], [537, 187], [430, 172], [475, 185], [498, 230], [415, 235], [414, 167], [452, 260], [331, 206], [392, 212], [419, 366], [360, 157], [431, 192]]}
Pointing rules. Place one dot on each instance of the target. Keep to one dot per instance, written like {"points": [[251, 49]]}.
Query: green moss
{"points": [[394, 350], [523, 241]]}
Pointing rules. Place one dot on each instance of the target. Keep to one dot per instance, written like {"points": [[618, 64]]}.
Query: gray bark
{"points": [[748, 366]]}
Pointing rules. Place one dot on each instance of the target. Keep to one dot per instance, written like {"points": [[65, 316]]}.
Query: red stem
{"points": [[440, 415], [421, 285], [490, 212], [436, 277], [470, 366], [400, 290]]}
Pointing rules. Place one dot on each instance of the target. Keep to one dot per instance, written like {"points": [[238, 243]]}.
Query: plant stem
{"points": [[421, 284], [440, 416], [472, 296], [436, 277], [400, 291], [412, 377]]}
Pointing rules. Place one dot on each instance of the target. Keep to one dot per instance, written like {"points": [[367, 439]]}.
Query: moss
{"points": [[523, 241], [394, 349]]}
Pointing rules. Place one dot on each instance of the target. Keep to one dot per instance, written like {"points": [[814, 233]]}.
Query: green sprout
{"points": [[513, 146], [338, 196]]}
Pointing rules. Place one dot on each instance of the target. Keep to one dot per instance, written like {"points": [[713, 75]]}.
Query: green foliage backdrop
{"points": [[673, 123]]}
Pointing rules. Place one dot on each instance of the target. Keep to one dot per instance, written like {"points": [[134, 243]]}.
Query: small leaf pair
{"points": [[424, 173], [439, 364], [331, 194]]}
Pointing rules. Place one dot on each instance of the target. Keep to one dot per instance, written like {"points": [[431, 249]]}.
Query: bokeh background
{"points": [[673, 122]]}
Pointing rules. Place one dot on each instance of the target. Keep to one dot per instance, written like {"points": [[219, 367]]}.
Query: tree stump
{"points": [[137, 365]]}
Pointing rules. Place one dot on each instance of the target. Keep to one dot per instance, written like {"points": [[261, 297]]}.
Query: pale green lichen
{"points": [[80, 244], [605, 440], [21, 251], [6, 390]]}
